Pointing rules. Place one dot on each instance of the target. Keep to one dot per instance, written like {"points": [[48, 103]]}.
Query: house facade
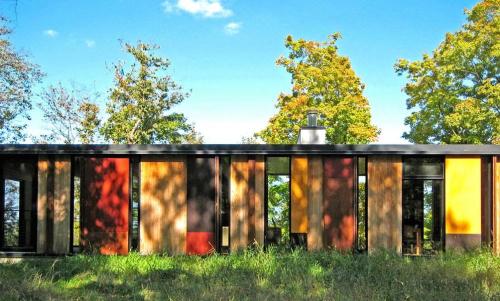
{"points": [[199, 199]]}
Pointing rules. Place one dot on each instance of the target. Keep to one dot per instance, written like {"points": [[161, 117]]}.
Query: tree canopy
{"points": [[70, 115], [141, 102], [17, 77], [324, 81], [453, 94]]}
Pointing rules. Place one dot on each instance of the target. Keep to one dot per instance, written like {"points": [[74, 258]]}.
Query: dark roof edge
{"points": [[249, 149]]}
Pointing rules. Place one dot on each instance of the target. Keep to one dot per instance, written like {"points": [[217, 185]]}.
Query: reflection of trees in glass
{"points": [[428, 219], [278, 197], [76, 212], [361, 213], [135, 209], [11, 213]]}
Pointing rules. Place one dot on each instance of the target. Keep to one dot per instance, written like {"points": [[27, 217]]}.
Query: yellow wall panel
{"points": [[463, 195], [163, 208], [299, 197]]}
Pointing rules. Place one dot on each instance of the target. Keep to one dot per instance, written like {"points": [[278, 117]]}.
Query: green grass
{"points": [[254, 275]]}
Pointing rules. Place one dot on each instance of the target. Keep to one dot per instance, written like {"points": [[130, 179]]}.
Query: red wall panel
{"points": [[200, 243], [338, 202], [105, 205]]}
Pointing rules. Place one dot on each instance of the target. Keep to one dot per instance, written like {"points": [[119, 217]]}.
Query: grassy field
{"points": [[253, 275]]}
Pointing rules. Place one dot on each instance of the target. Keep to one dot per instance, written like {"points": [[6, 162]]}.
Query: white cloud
{"points": [[90, 43], [50, 33], [232, 28], [205, 8]]}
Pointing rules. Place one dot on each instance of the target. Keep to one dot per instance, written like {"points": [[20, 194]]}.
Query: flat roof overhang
{"points": [[248, 149]]}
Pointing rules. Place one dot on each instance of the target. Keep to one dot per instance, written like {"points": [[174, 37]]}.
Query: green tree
{"points": [[325, 81], [70, 114], [141, 101], [453, 93], [17, 77], [278, 195], [89, 122]]}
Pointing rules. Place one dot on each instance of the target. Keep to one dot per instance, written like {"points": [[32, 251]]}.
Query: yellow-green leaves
{"points": [[321, 80], [453, 93]]}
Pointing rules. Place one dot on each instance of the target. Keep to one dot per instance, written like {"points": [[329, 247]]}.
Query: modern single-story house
{"points": [[196, 199]]}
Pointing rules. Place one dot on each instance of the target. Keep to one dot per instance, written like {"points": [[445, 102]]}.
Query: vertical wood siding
{"points": [[105, 205], [338, 204], [43, 171], [496, 205], [62, 205], [463, 202], [238, 203], [163, 207], [315, 207], [201, 177], [259, 199], [385, 177], [54, 205], [299, 195]]}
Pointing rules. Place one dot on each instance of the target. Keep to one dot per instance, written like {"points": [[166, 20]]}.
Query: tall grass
{"points": [[254, 275]]}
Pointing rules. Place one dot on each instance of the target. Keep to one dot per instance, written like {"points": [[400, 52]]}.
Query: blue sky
{"points": [[224, 51]]}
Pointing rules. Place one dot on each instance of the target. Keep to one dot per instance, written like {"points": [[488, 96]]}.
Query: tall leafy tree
{"points": [[141, 102], [17, 77], [71, 115], [453, 93], [325, 81]]}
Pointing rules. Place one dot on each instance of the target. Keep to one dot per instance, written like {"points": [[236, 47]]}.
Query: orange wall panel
{"points": [[299, 196], [163, 208]]}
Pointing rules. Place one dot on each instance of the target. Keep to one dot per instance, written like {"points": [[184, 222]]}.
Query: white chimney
{"points": [[312, 133]]}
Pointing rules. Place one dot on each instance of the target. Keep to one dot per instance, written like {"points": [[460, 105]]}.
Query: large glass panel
{"points": [[11, 212], [18, 200], [136, 188], [278, 200], [422, 203]]}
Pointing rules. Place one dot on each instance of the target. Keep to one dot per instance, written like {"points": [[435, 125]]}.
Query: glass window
{"points": [[423, 167], [422, 205], [361, 205], [278, 200], [18, 199], [224, 176]]}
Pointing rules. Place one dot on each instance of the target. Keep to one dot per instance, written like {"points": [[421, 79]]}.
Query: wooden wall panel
{"points": [[43, 172], [463, 202], [201, 194], [54, 205], [385, 177], [338, 202], [299, 194], [62, 205], [496, 205], [259, 201], [163, 206], [238, 203], [315, 206], [251, 199], [105, 205]]}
